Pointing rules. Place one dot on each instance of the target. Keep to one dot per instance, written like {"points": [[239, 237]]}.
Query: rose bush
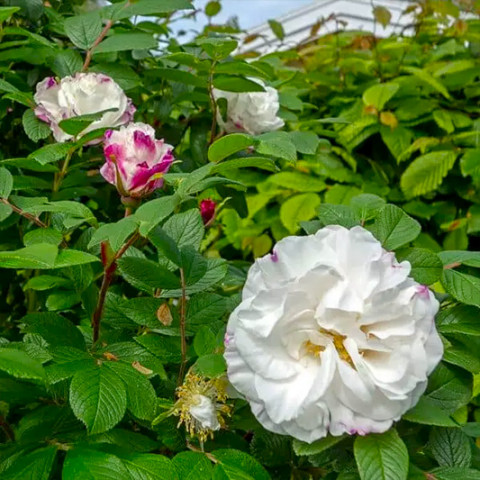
{"points": [[128, 238]]}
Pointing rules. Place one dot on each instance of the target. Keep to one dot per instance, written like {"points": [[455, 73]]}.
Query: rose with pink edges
{"points": [[134, 160], [82, 94]]}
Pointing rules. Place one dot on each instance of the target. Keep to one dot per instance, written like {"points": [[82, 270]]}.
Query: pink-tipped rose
{"points": [[207, 210], [84, 93], [134, 160]]}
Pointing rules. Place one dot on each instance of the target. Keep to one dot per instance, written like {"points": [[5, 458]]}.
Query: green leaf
{"points": [[330, 214], [127, 41], [67, 63], [298, 181], [166, 348], [237, 465], [427, 267], [7, 12], [38, 256], [229, 166], [46, 282], [34, 128], [89, 464], [426, 412], [470, 162], [382, 15], [186, 228], [115, 233], [205, 340], [212, 365], [202, 308], [367, 206], [277, 144], [55, 329], [19, 365], [394, 228], [461, 319], [126, 77], [213, 8], [36, 465], [455, 473], [98, 398], [146, 466], [305, 142], [277, 29], [463, 257], [42, 235], [232, 83], [381, 456], [192, 466], [379, 95], [6, 183], [450, 447], [83, 30], [426, 173], [228, 145], [146, 274], [220, 48], [150, 7], [51, 153], [428, 79], [319, 446], [297, 209], [463, 287], [70, 258], [141, 397], [397, 140], [150, 214], [75, 125]]}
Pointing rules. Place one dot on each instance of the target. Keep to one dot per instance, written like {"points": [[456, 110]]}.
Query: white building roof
{"points": [[298, 24]]}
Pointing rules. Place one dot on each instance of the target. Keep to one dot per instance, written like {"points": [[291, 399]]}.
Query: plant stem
{"points": [[103, 33], [26, 215], [5, 426], [63, 171], [108, 274], [183, 322], [213, 104]]}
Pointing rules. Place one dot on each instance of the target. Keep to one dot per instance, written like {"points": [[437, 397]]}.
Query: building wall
{"points": [[297, 24]]}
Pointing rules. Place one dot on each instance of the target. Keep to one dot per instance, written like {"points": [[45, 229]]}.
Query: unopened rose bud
{"points": [[82, 94], [134, 160], [207, 211]]}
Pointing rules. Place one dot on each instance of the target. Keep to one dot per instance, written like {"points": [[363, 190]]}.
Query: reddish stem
{"points": [[183, 322]]}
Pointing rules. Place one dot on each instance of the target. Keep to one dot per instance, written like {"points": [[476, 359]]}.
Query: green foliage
{"points": [[380, 132]]}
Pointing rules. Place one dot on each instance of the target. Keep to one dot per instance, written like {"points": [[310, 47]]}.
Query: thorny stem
{"points": [[108, 274], [103, 33], [26, 215], [183, 311], [5, 426], [213, 104]]}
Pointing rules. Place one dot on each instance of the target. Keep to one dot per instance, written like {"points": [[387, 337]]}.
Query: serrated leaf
{"points": [[236, 463], [330, 214], [6, 183], [298, 181], [51, 153], [303, 448], [425, 76], [427, 412], [42, 235], [192, 466], [83, 30], [98, 398], [381, 456], [462, 286], [127, 41], [36, 465], [212, 365], [450, 447], [147, 466], [394, 228], [38, 256], [34, 128], [426, 173], [427, 267]]}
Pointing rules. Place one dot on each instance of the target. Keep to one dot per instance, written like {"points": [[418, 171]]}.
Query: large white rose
{"points": [[250, 112], [82, 94], [332, 335]]}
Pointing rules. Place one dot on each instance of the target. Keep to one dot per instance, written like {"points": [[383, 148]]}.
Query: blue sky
{"points": [[250, 13]]}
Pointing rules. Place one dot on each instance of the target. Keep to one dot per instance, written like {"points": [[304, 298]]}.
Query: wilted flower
{"points": [[332, 335], [134, 160], [250, 112], [201, 405], [84, 93], [207, 210]]}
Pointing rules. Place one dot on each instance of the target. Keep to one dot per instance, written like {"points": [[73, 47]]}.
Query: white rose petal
{"points": [[250, 112], [204, 412], [84, 93], [331, 336]]}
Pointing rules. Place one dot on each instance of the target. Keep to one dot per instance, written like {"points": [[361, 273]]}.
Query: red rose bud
{"points": [[207, 210]]}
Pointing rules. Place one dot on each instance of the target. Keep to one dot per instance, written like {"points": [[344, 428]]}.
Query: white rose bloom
{"points": [[331, 336], [82, 94], [250, 112]]}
